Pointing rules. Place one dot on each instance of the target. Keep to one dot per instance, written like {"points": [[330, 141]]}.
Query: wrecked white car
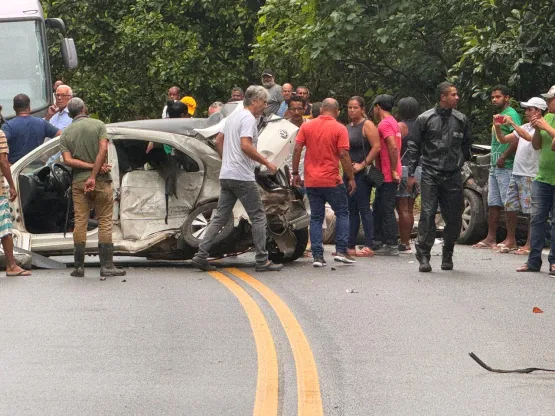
{"points": [[163, 199]]}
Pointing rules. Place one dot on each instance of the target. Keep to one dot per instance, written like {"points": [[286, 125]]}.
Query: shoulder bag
{"points": [[374, 177]]}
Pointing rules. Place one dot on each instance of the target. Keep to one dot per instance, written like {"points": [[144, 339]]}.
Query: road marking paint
{"points": [[266, 400], [308, 386]]}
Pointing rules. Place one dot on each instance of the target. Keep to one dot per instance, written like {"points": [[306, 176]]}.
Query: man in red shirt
{"points": [[385, 223], [327, 143]]}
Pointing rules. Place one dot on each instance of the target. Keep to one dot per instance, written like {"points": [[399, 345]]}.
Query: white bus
{"points": [[24, 63]]}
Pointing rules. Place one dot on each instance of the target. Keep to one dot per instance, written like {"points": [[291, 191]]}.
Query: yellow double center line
{"points": [[308, 386]]}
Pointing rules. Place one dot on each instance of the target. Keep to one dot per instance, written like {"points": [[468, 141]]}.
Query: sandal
{"points": [[522, 252], [506, 249], [481, 245], [526, 268], [365, 252]]}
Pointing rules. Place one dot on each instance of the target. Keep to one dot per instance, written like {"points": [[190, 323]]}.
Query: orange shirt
{"points": [[323, 137]]}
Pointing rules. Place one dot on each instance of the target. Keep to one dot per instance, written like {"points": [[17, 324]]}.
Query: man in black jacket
{"points": [[443, 139]]}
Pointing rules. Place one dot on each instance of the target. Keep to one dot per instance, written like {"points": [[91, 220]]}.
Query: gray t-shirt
{"points": [[235, 163], [275, 100]]}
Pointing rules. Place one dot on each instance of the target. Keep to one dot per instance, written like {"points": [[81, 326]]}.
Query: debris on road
{"points": [[351, 291], [535, 309], [493, 370]]}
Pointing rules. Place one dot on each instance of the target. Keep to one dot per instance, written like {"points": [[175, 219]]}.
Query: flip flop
{"points": [[522, 252], [506, 249], [21, 273], [365, 252], [482, 245]]}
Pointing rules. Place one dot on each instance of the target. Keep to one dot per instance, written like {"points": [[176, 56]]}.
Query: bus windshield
{"points": [[22, 65]]}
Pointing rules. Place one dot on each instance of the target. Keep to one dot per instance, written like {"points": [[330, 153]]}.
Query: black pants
{"points": [[386, 229], [447, 190]]}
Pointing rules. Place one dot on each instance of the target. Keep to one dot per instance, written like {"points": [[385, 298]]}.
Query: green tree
{"points": [[131, 52]]}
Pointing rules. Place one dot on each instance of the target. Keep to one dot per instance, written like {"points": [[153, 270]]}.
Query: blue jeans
{"points": [[543, 202], [337, 198], [359, 209]]}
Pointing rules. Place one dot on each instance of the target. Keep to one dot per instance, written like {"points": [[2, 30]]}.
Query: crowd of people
{"points": [[415, 153], [398, 157]]}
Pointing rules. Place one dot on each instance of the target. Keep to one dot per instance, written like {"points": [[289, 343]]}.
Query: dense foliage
{"points": [[132, 51]]}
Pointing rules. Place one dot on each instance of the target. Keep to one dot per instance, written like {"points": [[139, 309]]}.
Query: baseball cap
{"points": [[190, 103], [550, 93], [268, 72], [536, 102]]}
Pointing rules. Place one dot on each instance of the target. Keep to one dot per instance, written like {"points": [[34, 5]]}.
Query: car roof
{"points": [[183, 126]]}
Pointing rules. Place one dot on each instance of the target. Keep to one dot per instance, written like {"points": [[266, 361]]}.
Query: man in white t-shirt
{"points": [[236, 144], [525, 169]]}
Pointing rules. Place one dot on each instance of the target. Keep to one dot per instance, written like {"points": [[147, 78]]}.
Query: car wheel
{"points": [[300, 247], [473, 227], [197, 222]]}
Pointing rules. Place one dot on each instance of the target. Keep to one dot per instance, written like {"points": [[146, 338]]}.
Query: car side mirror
{"points": [[69, 53]]}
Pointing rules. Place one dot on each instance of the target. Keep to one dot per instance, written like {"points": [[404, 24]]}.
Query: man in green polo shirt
{"points": [[84, 146], [543, 189], [501, 166]]}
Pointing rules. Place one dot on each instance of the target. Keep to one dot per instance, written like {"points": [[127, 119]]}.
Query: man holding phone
{"points": [[501, 167]]}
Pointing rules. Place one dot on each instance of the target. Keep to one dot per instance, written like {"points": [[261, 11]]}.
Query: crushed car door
{"points": [[159, 187]]}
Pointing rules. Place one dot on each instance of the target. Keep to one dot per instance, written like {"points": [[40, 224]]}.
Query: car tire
{"points": [[300, 247], [196, 223], [474, 225]]}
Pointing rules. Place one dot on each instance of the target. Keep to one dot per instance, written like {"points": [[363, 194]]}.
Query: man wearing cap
{"points": [[389, 162], [501, 166], [525, 169], [443, 139], [543, 188], [275, 100]]}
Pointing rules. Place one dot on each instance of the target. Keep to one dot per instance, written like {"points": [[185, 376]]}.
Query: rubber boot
{"points": [[107, 268], [447, 260], [424, 261], [78, 260]]}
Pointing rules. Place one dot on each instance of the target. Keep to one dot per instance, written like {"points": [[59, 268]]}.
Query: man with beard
{"points": [[443, 139], [274, 90], [501, 167]]}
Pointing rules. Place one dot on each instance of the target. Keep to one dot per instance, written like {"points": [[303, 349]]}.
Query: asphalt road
{"points": [[375, 338]]}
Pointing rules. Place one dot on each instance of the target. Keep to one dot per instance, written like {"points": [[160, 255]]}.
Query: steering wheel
{"points": [[60, 176]]}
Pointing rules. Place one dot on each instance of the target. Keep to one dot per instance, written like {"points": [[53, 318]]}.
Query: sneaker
{"points": [[344, 258], [405, 249], [269, 266], [387, 251], [319, 262], [202, 264]]}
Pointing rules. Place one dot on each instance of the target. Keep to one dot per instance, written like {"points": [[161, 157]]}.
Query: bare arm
{"points": [[100, 157], [220, 144], [393, 152], [70, 161], [509, 138], [537, 140], [297, 152], [346, 163], [371, 133], [248, 149], [5, 169]]}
